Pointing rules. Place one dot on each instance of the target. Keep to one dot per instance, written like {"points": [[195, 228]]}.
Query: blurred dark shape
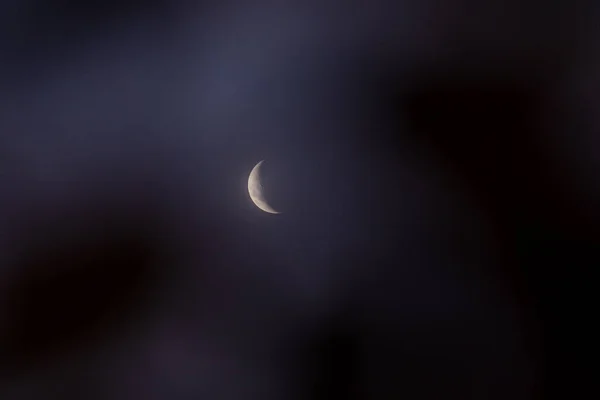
{"points": [[77, 282], [491, 134], [487, 133], [334, 361]]}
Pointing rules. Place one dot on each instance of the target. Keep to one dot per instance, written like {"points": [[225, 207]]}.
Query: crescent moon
{"points": [[255, 189]]}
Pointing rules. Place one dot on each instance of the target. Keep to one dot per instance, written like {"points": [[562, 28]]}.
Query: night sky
{"points": [[436, 165]]}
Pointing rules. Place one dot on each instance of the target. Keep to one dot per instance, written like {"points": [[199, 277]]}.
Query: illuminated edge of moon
{"points": [[255, 190]]}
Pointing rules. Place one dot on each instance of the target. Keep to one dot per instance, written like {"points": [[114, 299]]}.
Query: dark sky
{"points": [[434, 161]]}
